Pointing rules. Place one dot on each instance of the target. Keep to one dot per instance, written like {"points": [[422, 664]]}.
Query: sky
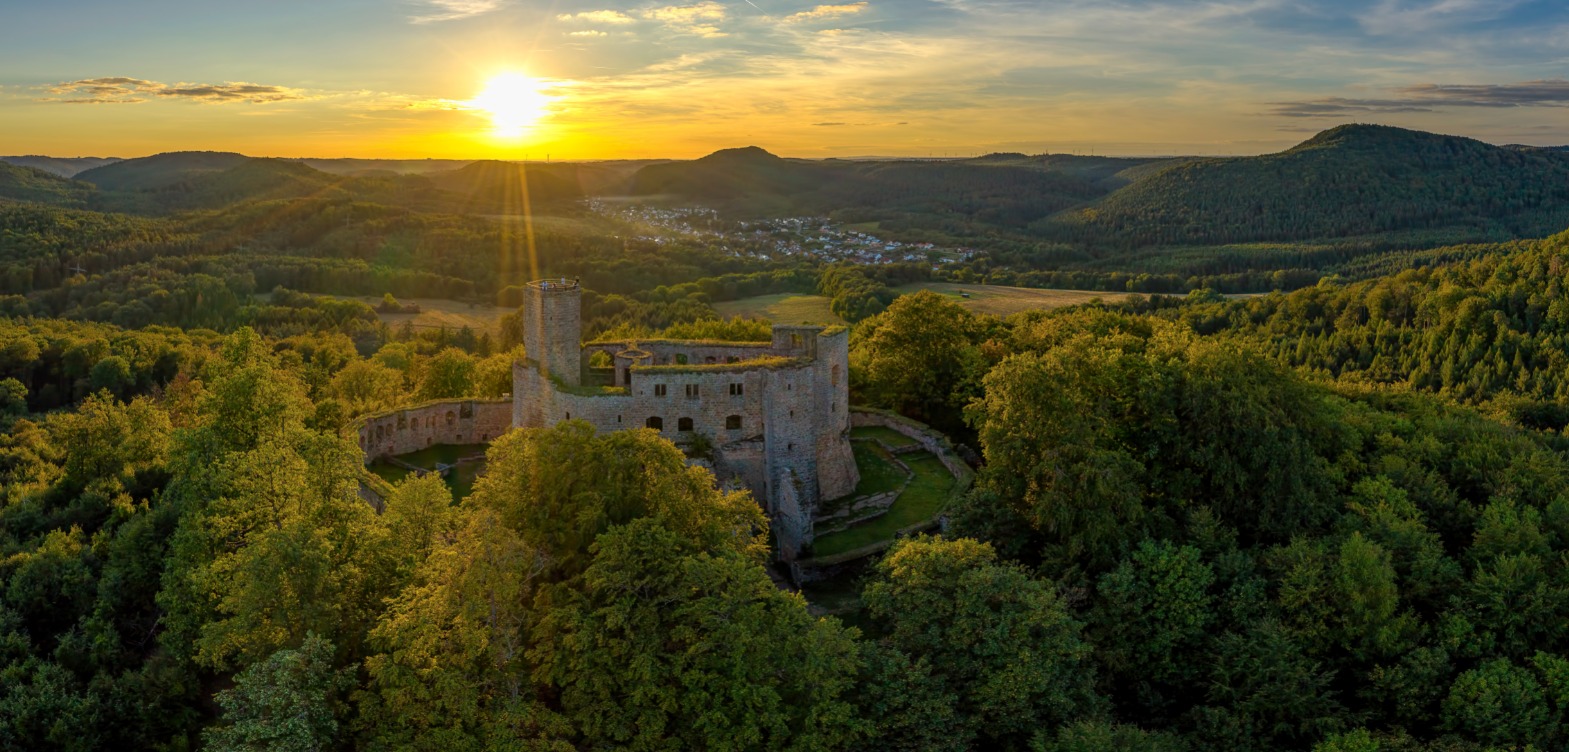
{"points": [[619, 79]]}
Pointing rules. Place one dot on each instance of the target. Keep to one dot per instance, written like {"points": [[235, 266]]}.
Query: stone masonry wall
{"points": [[441, 422], [553, 327]]}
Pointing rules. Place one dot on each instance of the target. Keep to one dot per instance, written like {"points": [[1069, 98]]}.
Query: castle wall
{"points": [[441, 422]]}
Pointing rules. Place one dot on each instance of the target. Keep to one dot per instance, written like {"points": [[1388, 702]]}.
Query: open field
{"points": [[1002, 301], [793, 308], [786, 308], [436, 313]]}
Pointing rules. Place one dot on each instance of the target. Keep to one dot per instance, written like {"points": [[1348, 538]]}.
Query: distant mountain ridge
{"points": [[752, 182], [65, 167]]}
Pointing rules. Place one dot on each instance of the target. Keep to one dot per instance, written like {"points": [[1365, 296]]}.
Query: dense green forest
{"points": [[1332, 518], [1351, 180]]}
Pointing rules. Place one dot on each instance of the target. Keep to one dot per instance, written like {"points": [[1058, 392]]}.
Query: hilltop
{"points": [[500, 185], [1348, 181], [751, 182], [160, 170], [65, 167], [36, 185]]}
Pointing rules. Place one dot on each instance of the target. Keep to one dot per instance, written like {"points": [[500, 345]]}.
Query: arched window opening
{"points": [[733, 422], [680, 359], [684, 424], [452, 417], [658, 424]]}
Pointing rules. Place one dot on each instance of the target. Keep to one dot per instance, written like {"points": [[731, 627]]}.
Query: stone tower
{"points": [[553, 328]]}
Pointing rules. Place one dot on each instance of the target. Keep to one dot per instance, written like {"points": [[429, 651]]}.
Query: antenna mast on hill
{"points": [[77, 269]]}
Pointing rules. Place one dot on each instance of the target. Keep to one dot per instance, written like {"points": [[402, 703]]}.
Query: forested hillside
{"points": [[30, 184], [752, 182], [65, 167], [1351, 180]]}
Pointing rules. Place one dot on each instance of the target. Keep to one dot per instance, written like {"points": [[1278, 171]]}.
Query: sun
{"points": [[513, 101]]}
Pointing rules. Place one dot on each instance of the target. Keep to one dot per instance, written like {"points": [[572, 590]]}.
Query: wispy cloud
{"points": [[122, 90], [691, 19], [826, 11], [588, 33], [1406, 16], [598, 16], [451, 10], [1552, 92]]}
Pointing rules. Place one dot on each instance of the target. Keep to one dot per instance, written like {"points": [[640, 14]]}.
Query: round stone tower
{"points": [[624, 362], [553, 327]]}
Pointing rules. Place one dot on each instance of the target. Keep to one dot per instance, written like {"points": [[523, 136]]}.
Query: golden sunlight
{"points": [[514, 103]]}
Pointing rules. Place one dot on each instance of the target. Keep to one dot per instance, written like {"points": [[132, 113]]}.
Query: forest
{"points": [[1330, 517]]}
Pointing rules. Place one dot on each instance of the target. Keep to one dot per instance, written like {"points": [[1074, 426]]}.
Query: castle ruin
{"points": [[772, 415]]}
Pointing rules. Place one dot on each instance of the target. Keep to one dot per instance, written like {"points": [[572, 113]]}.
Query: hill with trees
{"points": [[1348, 181], [31, 184], [490, 183], [751, 182], [65, 167]]}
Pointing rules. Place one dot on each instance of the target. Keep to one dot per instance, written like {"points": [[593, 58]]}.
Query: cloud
{"points": [[121, 90], [1407, 16], [93, 100], [829, 123], [1552, 92], [599, 16], [689, 18], [589, 33], [826, 11], [450, 10]]}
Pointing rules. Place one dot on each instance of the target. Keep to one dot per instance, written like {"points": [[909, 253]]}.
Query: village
{"points": [[815, 238]]}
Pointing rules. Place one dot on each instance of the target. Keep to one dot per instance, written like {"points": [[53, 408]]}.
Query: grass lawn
{"points": [[878, 474], [460, 479], [1003, 301], [883, 433], [784, 308], [923, 498]]}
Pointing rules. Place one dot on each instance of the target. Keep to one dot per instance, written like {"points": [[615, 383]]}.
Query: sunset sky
{"points": [[521, 79]]}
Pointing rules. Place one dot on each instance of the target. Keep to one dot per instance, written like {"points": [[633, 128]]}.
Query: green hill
{"points": [[65, 167], [497, 187], [160, 170], [751, 182], [1349, 181], [183, 182], [1109, 172], [35, 185]]}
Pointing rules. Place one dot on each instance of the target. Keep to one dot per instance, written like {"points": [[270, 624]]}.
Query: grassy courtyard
{"points": [[460, 479], [924, 497], [884, 434]]}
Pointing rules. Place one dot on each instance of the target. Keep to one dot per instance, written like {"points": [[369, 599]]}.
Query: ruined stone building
{"points": [[772, 415]]}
